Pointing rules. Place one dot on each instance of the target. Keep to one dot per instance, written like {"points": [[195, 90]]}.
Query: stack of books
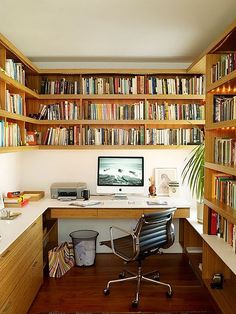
{"points": [[15, 200]]}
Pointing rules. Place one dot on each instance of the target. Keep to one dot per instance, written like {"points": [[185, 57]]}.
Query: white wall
{"points": [[10, 172], [40, 169]]}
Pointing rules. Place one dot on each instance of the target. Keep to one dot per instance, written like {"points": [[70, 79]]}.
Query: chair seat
{"points": [[124, 246]]}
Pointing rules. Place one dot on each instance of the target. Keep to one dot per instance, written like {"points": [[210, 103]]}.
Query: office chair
{"points": [[152, 232]]}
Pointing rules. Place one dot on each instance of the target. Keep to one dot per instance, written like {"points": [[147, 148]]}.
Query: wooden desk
{"points": [[109, 213]]}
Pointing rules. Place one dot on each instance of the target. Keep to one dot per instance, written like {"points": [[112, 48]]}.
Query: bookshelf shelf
{"points": [[104, 147], [221, 168], [221, 125], [224, 82], [17, 87], [14, 116], [224, 210], [170, 123], [17, 149]]}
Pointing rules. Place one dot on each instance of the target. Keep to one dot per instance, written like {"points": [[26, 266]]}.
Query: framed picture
{"points": [[1, 202], [31, 138], [162, 178]]}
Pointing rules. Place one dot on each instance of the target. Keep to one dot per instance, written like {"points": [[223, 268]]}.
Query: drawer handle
{"points": [[35, 264], [6, 308], [34, 224], [6, 253]]}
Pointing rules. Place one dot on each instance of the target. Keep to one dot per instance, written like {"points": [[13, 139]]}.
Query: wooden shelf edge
{"points": [[102, 147], [220, 125], [15, 116], [121, 96], [224, 210], [189, 123], [17, 149], [17, 85], [221, 168], [219, 83]]}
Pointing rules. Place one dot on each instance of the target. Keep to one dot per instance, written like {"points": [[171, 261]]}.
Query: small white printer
{"points": [[67, 191]]}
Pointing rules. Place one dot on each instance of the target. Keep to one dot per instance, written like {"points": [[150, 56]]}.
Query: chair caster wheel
{"points": [[156, 277], [135, 303], [106, 291], [122, 275], [169, 294]]}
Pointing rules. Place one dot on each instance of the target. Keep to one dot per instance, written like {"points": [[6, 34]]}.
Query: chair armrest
{"points": [[128, 233]]}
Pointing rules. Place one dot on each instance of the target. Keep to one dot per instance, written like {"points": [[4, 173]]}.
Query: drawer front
{"points": [[25, 291], [73, 213], [119, 213], [18, 257]]}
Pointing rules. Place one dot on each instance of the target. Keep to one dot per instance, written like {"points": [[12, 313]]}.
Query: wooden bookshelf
{"points": [[218, 255]]}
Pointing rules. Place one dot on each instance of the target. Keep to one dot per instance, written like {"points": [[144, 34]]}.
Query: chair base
{"points": [[139, 277]]}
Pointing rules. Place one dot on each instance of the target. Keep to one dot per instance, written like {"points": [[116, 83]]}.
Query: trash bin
{"points": [[84, 242]]}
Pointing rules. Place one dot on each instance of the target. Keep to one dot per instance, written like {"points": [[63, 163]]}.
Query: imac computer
{"points": [[120, 176]]}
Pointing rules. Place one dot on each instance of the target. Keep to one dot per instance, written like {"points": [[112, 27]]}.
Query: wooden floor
{"points": [[81, 289]]}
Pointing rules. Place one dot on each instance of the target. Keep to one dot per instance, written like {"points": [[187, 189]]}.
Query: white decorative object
{"points": [[163, 176], [1, 202]]}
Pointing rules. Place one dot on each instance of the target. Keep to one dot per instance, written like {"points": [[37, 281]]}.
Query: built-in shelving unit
{"points": [[129, 87], [219, 217]]}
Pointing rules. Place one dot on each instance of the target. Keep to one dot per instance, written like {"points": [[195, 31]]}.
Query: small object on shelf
{"points": [[217, 281], [34, 195]]}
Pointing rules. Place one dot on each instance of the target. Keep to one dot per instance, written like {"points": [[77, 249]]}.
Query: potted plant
{"points": [[193, 175]]}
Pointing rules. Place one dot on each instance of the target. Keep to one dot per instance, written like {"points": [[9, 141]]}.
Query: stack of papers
{"points": [[84, 203], [157, 202]]}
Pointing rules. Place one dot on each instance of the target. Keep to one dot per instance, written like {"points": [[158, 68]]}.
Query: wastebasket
{"points": [[84, 242]]}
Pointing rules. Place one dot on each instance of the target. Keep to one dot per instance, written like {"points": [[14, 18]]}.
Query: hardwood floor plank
{"points": [[81, 289]]}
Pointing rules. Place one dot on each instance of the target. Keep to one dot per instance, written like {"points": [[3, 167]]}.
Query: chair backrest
{"points": [[154, 231]]}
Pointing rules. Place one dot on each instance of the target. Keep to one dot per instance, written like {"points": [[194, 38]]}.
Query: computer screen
{"points": [[120, 174]]}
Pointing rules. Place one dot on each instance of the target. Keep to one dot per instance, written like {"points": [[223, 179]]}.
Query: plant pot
{"points": [[200, 206]]}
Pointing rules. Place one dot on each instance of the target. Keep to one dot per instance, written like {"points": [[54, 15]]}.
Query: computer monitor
{"points": [[120, 175]]}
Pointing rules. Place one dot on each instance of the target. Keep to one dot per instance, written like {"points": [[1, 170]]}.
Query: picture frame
{"points": [[31, 138], [162, 178]]}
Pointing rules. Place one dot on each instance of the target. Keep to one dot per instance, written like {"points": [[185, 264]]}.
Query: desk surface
{"points": [[11, 230]]}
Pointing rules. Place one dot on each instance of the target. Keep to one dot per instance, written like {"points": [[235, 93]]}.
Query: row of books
{"points": [[225, 151], [223, 228], [60, 111], [224, 108], [59, 86], [225, 65], [9, 134], [14, 103], [178, 85], [225, 189], [153, 85], [174, 136], [136, 111], [113, 85], [15, 70], [74, 135], [93, 136], [165, 111]]}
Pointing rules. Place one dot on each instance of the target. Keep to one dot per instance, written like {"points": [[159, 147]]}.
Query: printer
{"points": [[67, 191]]}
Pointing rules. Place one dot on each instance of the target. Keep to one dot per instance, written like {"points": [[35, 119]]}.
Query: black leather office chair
{"points": [[152, 232]]}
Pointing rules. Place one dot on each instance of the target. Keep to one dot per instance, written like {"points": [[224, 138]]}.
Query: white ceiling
{"points": [[124, 31]]}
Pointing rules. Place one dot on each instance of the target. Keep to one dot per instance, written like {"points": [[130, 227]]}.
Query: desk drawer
{"points": [[18, 257], [179, 213], [73, 213], [119, 213], [24, 292]]}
